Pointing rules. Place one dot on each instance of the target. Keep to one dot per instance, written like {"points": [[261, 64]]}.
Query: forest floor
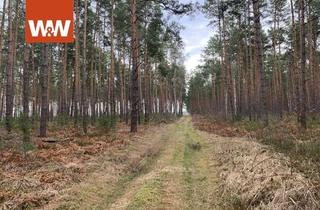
{"points": [[167, 166]]}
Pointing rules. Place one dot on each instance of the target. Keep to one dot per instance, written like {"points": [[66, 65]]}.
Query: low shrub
{"points": [[106, 123], [163, 118]]}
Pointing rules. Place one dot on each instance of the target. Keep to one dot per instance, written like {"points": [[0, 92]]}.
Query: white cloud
{"points": [[199, 45], [192, 62], [195, 36]]}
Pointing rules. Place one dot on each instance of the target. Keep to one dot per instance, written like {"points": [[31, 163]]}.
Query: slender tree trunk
{"points": [[135, 100], [77, 91], [259, 59], [44, 92], [147, 85], [9, 71], [315, 64], [213, 90], [122, 83], [112, 68], [26, 93], [93, 85], [84, 71], [63, 108], [124, 88], [50, 97], [2, 29], [175, 92], [34, 84], [303, 114], [296, 72], [224, 92], [16, 24], [26, 79], [1, 51], [129, 93], [2, 102]]}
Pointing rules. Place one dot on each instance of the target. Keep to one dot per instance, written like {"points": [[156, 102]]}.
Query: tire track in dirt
{"points": [[114, 172], [201, 179], [180, 175], [160, 187], [179, 179]]}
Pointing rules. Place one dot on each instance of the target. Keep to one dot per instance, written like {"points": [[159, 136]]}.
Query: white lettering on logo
{"points": [[49, 29]]}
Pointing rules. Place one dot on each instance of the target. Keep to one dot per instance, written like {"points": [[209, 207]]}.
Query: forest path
{"points": [[171, 167], [177, 166], [182, 177]]}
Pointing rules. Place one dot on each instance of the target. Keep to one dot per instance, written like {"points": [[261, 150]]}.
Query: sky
{"points": [[196, 35]]}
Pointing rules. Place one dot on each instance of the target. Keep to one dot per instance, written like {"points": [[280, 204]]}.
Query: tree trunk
{"points": [[1, 46], [34, 84], [122, 84], [135, 69], [2, 29], [84, 72], [44, 92], [259, 59], [9, 71], [147, 86], [303, 114], [77, 91], [26, 78], [112, 68], [63, 104]]}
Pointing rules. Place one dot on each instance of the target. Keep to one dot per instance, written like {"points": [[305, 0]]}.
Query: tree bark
{"points": [[259, 59], [9, 71], [26, 79], [44, 91], [63, 104], [303, 114], [2, 29], [77, 92], [84, 72], [147, 87], [135, 100], [112, 68]]}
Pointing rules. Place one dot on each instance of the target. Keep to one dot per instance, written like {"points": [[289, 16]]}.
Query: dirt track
{"points": [[178, 167], [176, 172]]}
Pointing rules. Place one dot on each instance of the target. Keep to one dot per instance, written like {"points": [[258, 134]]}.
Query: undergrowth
{"points": [[286, 136], [106, 123], [283, 135], [163, 118]]}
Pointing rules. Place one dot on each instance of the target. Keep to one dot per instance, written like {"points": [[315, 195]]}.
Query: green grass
{"points": [[149, 195], [188, 162], [117, 191], [187, 173]]}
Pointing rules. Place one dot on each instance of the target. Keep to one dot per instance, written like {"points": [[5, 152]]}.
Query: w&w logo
{"points": [[49, 21], [49, 29]]}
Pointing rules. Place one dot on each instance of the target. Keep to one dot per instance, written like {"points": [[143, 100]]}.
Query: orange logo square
{"points": [[49, 21]]}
